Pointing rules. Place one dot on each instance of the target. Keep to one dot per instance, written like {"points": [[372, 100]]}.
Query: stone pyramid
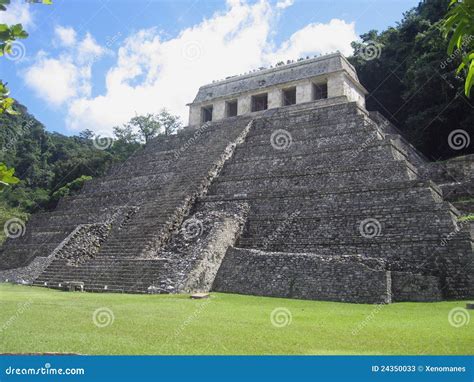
{"points": [[282, 185]]}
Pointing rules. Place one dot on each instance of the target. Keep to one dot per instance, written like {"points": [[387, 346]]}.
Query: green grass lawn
{"points": [[44, 320]]}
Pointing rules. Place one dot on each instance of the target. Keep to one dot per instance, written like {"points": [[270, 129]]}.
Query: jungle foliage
{"points": [[51, 165], [414, 82]]}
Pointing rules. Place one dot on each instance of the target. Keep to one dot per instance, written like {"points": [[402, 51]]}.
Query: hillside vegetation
{"points": [[412, 80]]}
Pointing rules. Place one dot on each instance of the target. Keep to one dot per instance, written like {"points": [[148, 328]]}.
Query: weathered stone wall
{"points": [[456, 265], [198, 182], [415, 287], [81, 245], [304, 276], [413, 155]]}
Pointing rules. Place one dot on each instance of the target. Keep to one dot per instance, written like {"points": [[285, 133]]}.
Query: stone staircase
{"points": [[105, 273], [175, 171]]}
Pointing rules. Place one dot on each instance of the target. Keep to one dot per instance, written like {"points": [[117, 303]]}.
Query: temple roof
{"points": [[278, 75]]}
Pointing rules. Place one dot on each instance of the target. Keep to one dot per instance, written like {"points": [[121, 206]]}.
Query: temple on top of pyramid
{"points": [[329, 76]]}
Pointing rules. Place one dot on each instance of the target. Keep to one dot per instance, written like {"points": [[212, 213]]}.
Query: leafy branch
{"points": [[6, 103], [459, 23], [8, 34], [6, 176]]}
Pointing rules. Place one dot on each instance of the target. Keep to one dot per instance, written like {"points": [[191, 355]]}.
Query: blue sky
{"points": [[95, 63]]}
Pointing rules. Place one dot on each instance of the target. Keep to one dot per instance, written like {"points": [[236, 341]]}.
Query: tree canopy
{"points": [[51, 165], [413, 82], [145, 127]]}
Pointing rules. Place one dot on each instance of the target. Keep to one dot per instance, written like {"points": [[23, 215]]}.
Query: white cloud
{"points": [[18, 12], [284, 4], [320, 38], [66, 35], [58, 80], [88, 49], [54, 80], [152, 72]]}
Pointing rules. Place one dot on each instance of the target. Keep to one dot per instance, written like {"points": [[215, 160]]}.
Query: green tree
{"points": [[6, 102], [86, 134], [8, 34], [148, 126], [69, 189], [126, 142], [459, 23], [125, 134], [169, 122]]}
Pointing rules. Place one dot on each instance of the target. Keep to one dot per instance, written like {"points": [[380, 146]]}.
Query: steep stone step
{"points": [[321, 181], [296, 171], [404, 190], [313, 161]]}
